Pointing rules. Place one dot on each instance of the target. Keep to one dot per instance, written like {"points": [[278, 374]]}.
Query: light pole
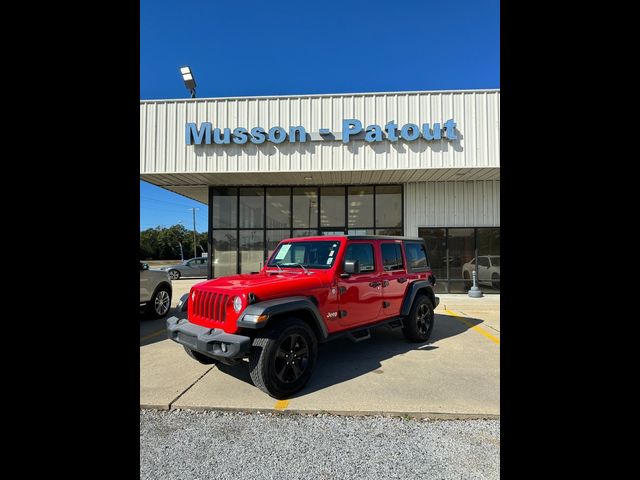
{"points": [[189, 81]]}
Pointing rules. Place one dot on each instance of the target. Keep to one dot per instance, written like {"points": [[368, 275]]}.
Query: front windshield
{"points": [[315, 254]]}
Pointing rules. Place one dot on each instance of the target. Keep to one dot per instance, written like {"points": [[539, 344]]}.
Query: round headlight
{"points": [[237, 304]]}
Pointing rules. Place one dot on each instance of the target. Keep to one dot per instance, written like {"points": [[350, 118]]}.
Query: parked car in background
{"points": [[155, 291], [194, 267], [488, 268]]}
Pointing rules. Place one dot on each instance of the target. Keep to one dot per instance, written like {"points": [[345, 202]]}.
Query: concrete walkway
{"points": [[455, 375]]}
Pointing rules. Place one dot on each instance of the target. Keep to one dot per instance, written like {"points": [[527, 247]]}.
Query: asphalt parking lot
{"points": [[455, 375]]}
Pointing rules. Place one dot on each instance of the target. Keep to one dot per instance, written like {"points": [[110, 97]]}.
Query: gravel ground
{"points": [[232, 445]]}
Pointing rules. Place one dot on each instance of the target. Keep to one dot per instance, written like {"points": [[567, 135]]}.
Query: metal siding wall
{"points": [[163, 150], [451, 204]]}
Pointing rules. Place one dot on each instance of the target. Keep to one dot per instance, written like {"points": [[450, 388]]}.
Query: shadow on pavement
{"points": [[153, 330], [342, 360]]}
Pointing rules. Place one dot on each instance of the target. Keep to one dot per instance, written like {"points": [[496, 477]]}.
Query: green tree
{"points": [[164, 243]]}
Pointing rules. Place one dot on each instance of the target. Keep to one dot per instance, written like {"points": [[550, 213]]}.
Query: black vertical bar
{"points": [[375, 200], [238, 230], [210, 233], [290, 212], [346, 209], [446, 253], [264, 228], [318, 189], [402, 206]]}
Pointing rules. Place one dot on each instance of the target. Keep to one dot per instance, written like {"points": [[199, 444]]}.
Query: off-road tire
{"points": [[414, 330], [268, 372], [200, 357]]}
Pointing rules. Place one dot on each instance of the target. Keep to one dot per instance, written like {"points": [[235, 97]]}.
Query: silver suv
{"points": [[155, 291]]}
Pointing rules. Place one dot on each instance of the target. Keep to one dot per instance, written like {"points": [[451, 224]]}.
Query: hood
{"points": [[266, 285]]}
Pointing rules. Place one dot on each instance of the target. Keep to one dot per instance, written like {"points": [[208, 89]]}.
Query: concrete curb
{"points": [[348, 413]]}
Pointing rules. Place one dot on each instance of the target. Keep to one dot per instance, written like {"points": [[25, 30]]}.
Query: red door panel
{"points": [[394, 278], [360, 294]]}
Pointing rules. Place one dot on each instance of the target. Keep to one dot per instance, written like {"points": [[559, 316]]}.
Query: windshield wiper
{"points": [[299, 264], [277, 265]]}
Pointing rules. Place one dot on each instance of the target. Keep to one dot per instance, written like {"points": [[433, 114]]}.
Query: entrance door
{"points": [[360, 294]]}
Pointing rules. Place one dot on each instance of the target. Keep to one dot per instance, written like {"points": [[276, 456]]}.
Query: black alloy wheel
{"points": [[292, 358], [418, 325], [424, 318]]}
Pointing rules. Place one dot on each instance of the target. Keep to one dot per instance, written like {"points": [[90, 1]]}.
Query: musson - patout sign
{"points": [[351, 130]]}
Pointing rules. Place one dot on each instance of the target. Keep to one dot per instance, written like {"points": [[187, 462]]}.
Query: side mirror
{"points": [[144, 266], [351, 267]]}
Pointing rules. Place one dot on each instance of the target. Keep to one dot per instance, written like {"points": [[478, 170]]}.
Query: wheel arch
{"points": [[162, 284], [415, 289]]}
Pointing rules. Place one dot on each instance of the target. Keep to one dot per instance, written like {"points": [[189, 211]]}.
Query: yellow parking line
{"points": [[153, 335], [281, 404], [481, 331]]}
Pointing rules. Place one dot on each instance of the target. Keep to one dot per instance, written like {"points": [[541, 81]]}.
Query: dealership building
{"points": [[423, 163]]}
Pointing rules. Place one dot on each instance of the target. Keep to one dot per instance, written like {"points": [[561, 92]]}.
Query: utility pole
{"points": [[195, 251]]}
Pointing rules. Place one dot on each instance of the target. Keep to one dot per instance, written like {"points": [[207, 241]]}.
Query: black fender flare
{"points": [[419, 286], [278, 306]]}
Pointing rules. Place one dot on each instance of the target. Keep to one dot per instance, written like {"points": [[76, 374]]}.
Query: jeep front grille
{"points": [[210, 306]]}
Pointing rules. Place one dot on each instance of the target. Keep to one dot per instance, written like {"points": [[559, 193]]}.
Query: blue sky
{"points": [[296, 47]]}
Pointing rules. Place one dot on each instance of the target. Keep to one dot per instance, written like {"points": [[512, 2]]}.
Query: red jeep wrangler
{"points": [[311, 290]]}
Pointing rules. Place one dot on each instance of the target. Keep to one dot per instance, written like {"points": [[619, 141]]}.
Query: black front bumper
{"points": [[213, 342]]}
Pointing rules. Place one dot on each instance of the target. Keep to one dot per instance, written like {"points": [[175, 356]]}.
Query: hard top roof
{"points": [[357, 237]]}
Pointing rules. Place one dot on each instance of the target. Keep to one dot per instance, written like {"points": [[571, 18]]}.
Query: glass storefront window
{"points": [[389, 206], [251, 250], [305, 207], [304, 233], [274, 237], [249, 222], [278, 207], [360, 206], [224, 207], [436, 242], [225, 252], [389, 231], [332, 201], [488, 266], [461, 250], [251, 208], [455, 253]]}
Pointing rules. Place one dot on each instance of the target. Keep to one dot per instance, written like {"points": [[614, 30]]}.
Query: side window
{"points": [[363, 252], [392, 256], [416, 256], [483, 262]]}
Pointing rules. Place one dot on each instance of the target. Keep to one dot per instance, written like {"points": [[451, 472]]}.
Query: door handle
{"points": [[375, 284], [402, 280]]}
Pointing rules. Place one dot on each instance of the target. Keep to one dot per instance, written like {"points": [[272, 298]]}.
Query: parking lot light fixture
{"points": [[189, 81]]}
